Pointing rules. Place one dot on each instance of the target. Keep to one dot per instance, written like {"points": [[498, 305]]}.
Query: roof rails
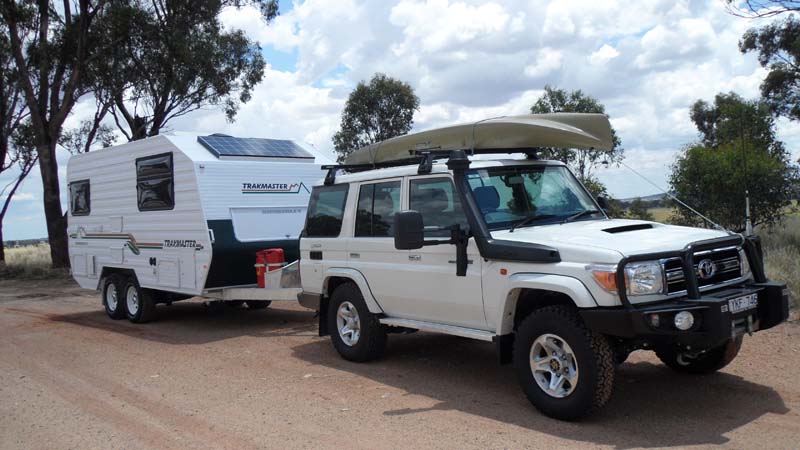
{"points": [[425, 159]]}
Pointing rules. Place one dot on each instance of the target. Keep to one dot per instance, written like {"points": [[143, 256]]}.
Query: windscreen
{"points": [[529, 195]]}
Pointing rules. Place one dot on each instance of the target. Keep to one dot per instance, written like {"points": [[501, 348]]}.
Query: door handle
{"points": [[414, 258]]}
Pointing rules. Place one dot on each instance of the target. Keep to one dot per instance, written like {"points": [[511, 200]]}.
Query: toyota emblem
{"points": [[706, 269]]}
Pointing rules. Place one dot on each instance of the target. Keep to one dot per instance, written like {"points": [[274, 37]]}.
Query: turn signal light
{"points": [[606, 277]]}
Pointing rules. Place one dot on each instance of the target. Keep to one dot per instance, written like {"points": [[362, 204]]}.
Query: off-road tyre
{"points": [[258, 304], [593, 354], [146, 309], [115, 282], [708, 362], [372, 341]]}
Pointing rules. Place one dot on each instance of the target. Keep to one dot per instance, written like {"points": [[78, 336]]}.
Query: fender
{"points": [[567, 285], [360, 281]]}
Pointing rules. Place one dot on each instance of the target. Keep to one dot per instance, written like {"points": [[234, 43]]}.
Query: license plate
{"points": [[743, 303]]}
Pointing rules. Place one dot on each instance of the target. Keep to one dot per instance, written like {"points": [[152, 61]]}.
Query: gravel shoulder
{"points": [[239, 379]]}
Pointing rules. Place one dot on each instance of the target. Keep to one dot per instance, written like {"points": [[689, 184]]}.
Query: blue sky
{"points": [[647, 61]]}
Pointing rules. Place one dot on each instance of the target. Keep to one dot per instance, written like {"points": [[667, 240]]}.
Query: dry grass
{"points": [[32, 261], [782, 255]]}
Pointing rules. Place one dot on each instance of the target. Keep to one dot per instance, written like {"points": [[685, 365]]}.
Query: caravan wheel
{"points": [[112, 297], [139, 305]]}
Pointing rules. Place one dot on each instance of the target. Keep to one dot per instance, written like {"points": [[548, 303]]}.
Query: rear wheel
{"points": [[355, 332], [707, 362], [565, 370], [258, 304], [112, 297], [139, 305]]}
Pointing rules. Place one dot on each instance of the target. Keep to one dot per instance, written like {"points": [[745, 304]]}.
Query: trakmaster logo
{"points": [[273, 188]]}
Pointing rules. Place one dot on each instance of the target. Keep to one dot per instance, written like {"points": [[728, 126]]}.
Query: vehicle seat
{"points": [[487, 198]]}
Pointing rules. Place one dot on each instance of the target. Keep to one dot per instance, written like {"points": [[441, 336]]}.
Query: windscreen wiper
{"points": [[529, 219], [580, 214]]}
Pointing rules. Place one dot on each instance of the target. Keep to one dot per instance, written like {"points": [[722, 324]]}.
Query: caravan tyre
{"points": [[355, 332], [139, 305], [113, 297]]}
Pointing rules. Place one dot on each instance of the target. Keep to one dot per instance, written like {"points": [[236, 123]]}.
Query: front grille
{"points": [[727, 266]]}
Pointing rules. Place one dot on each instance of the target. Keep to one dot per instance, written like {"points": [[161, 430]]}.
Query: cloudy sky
{"points": [[646, 60]]}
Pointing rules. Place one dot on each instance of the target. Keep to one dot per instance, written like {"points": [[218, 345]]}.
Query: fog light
{"points": [[655, 321], [684, 320]]}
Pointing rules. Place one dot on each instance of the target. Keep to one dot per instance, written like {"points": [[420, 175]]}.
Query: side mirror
{"points": [[602, 201], [409, 232]]}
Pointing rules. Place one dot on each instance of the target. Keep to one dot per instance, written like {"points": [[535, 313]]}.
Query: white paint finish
{"points": [[268, 222], [205, 188], [356, 277]]}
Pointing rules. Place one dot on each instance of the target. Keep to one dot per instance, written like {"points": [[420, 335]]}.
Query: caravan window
{"points": [[155, 183], [325, 210], [79, 198]]}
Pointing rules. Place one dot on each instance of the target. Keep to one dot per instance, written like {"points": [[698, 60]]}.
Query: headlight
{"points": [[644, 278], [641, 278], [745, 264]]}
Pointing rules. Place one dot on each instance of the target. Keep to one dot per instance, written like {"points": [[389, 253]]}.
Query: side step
{"points": [[439, 328]]}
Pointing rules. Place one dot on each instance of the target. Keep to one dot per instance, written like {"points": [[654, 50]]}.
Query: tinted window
{"points": [[325, 211], [438, 203], [155, 183], [79, 198], [377, 205]]}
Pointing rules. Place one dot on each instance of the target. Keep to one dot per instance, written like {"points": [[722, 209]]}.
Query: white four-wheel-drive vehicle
{"points": [[415, 234]]}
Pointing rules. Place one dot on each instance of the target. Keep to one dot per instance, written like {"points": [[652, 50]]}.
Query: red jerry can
{"points": [[268, 260]]}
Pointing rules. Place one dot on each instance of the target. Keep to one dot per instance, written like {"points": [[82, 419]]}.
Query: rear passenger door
{"points": [[371, 249], [427, 280]]}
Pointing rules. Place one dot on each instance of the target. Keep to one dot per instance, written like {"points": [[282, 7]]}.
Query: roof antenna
{"points": [[677, 200]]}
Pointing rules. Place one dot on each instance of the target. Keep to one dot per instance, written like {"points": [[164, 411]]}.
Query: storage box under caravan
{"points": [[186, 213]]}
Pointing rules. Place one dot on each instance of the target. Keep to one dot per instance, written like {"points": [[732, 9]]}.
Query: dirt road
{"points": [[239, 379]]}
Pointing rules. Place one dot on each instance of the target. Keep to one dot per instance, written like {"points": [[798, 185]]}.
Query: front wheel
{"points": [[566, 370], [706, 362], [355, 332]]}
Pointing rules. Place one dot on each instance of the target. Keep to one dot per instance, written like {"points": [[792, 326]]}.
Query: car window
{"points": [[377, 205], [436, 200], [325, 211]]}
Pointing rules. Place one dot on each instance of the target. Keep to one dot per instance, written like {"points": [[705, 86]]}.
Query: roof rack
{"points": [[425, 159]]}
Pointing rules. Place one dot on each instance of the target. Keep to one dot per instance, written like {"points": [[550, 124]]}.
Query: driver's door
{"points": [[431, 290]]}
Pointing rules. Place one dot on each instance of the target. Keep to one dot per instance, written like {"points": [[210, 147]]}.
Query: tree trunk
{"points": [[56, 222], [2, 246]]}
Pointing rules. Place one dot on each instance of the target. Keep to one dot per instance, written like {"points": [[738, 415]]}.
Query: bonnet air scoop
{"points": [[627, 228]]}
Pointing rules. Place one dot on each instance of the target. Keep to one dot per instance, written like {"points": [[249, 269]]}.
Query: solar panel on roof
{"points": [[221, 146]]}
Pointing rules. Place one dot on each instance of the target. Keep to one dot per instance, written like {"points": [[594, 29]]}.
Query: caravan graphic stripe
{"points": [[131, 243]]}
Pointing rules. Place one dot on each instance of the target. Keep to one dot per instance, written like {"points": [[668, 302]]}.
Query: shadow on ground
{"points": [[652, 405], [192, 323]]}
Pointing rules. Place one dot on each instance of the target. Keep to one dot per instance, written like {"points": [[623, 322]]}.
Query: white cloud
{"points": [[603, 55]]}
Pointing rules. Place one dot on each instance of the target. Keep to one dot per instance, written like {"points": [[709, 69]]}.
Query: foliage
{"points": [[374, 112], [638, 210], [52, 47], [81, 139], [582, 161], [174, 58], [713, 181], [753, 9], [781, 245], [778, 49], [738, 151]]}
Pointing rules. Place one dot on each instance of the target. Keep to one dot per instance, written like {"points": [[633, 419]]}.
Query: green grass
{"points": [[32, 262]]}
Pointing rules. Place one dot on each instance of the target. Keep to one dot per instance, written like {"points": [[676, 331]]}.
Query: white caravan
{"points": [[176, 216]]}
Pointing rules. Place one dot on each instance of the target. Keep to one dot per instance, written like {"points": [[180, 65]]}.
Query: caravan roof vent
{"points": [[228, 147]]}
